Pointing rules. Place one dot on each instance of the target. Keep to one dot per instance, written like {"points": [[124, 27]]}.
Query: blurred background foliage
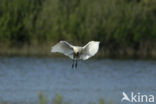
{"points": [[123, 26]]}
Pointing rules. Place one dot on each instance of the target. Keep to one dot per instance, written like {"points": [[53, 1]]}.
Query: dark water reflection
{"points": [[22, 78]]}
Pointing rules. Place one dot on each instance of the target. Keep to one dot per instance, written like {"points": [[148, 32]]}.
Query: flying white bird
{"points": [[76, 52]]}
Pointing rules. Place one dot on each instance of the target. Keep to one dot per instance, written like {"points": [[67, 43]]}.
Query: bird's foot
{"points": [[76, 65], [72, 66]]}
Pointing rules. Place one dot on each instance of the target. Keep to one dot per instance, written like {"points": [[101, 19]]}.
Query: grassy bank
{"points": [[104, 52]]}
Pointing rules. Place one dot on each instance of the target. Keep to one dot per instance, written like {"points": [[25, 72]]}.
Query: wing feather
{"points": [[90, 50], [64, 48]]}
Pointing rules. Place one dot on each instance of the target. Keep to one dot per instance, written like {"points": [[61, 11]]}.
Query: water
{"points": [[21, 79]]}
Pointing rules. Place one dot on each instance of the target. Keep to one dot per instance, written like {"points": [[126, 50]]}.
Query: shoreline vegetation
{"points": [[125, 28], [44, 51], [58, 99]]}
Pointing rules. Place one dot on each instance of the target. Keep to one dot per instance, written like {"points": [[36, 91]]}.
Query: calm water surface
{"points": [[21, 79]]}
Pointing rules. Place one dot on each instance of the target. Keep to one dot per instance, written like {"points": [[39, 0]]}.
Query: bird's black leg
{"points": [[73, 63], [76, 64]]}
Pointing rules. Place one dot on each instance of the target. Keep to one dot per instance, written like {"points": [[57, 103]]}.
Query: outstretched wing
{"points": [[89, 50], [64, 48]]}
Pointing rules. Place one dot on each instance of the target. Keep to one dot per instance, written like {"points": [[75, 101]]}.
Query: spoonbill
{"points": [[76, 52]]}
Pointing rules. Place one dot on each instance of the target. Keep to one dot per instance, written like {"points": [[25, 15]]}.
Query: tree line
{"points": [[118, 24]]}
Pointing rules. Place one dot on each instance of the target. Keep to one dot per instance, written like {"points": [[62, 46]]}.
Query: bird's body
{"points": [[76, 52]]}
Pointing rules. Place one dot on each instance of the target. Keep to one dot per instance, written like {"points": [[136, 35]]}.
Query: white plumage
{"points": [[77, 52]]}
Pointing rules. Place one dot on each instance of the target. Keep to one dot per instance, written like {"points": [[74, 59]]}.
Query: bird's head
{"points": [[76, 51]]}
